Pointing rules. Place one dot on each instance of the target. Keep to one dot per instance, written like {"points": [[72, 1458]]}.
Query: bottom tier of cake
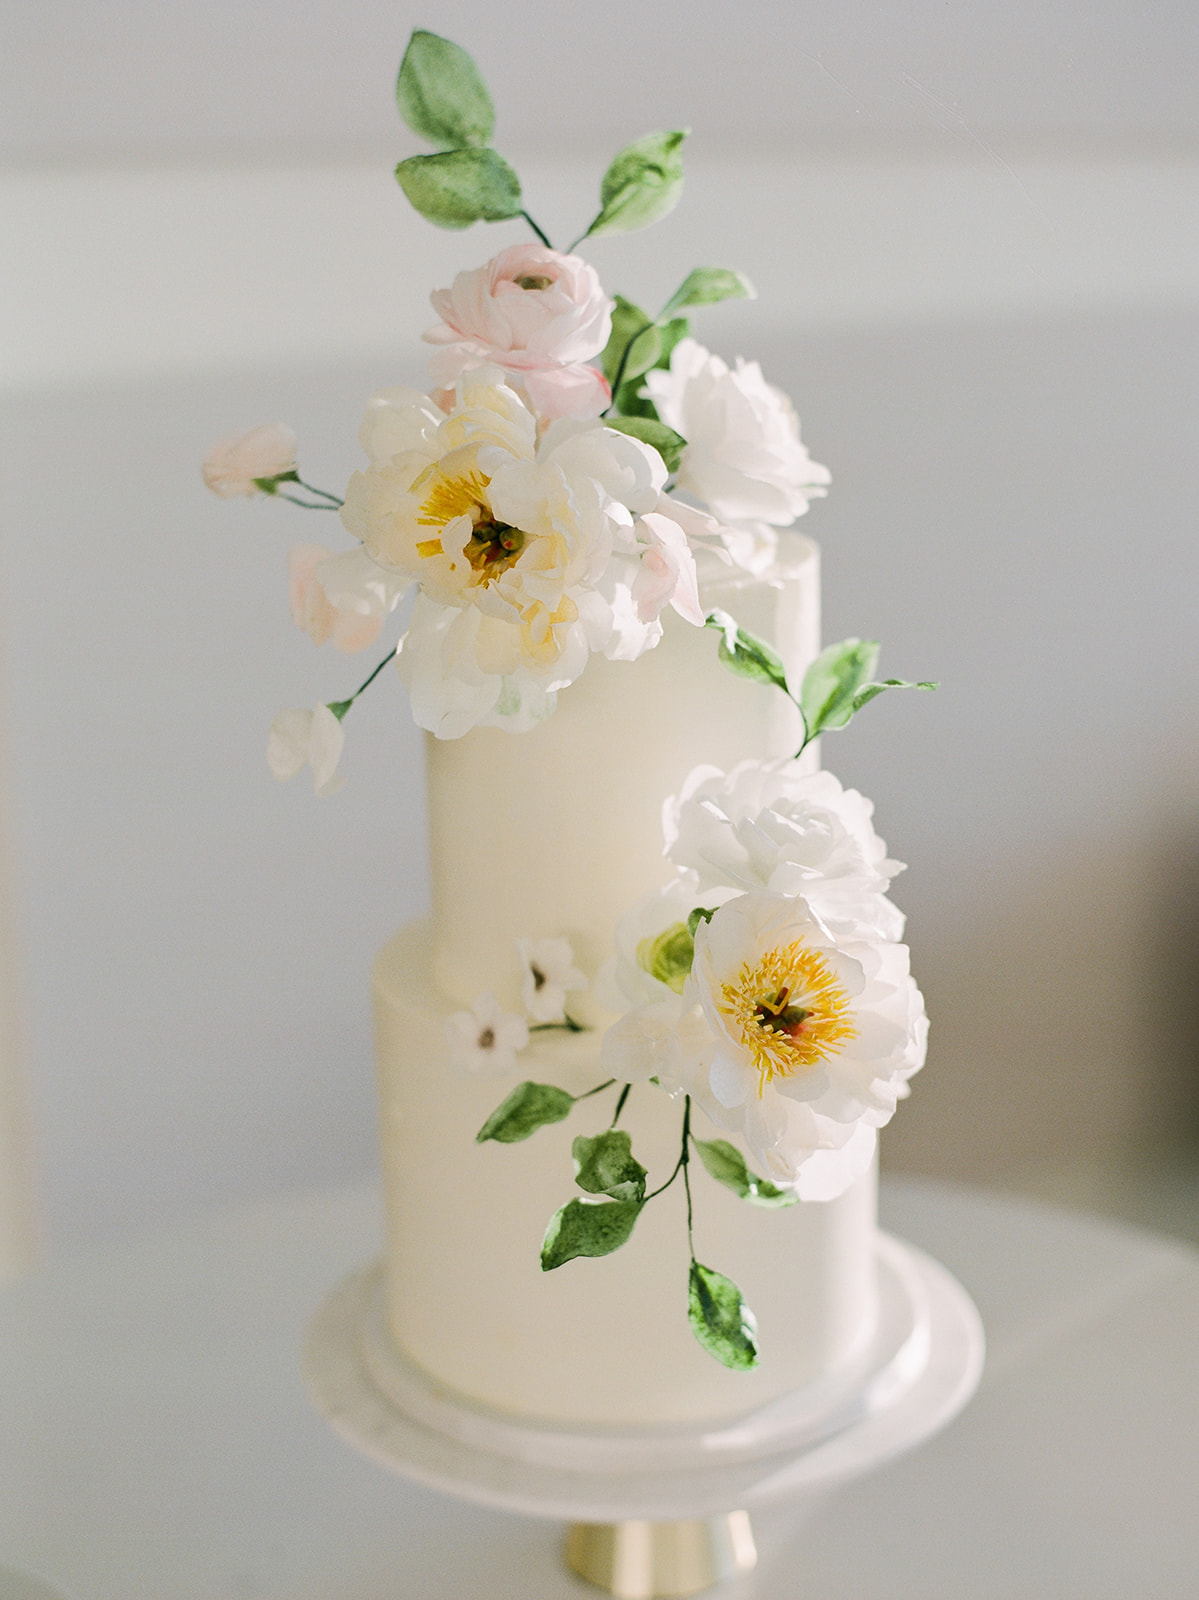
{"points": [[600, 1341]]}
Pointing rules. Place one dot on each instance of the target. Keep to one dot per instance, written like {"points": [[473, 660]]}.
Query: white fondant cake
{"points": [[557, 832]]}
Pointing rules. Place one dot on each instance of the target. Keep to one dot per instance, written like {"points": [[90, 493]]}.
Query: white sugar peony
{"points": [[799, 1041], [768, 825], [548, 975], [485, 1038], [300, 739], [233, 466], [527, 547], [744, 457], [537, 314]]}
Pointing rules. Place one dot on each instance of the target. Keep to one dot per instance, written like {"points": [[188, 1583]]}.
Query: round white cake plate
{"points": [[922, 1366]]}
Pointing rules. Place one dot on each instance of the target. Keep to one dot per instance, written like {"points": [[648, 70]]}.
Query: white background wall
{"points": [[977, 244]]}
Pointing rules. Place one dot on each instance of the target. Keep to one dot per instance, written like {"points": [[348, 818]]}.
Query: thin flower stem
{"points": [[624, 1095], [568, 1023], [538, 231], [340, 707], [335, 499], [309, 505], [680, 1165], [685, 1163], [624, 360], [599, 1089]]}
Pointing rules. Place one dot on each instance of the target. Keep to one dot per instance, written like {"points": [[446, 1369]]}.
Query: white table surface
{"points": [[156, 1442]]}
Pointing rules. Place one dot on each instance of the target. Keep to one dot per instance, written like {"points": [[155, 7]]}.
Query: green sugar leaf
{"points": [[634, 341], [530, 1106], [869, 691], [457, 187], [585, 1228], [706, 286], [721, 1320], [727, 1165], [441, 94], [700, 914], [745, 654], [668, 956], [606, 1165], [643, 183], [833, 680], [665, 441]]}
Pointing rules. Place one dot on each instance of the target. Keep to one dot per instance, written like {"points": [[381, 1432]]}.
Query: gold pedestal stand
{"points": [[661, 1560]]}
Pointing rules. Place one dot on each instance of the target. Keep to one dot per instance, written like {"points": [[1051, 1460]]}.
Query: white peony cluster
{"points": [[767, 980], [744, 458], [532, 546]]}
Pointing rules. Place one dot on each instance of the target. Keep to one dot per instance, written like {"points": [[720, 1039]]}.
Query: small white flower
{"points": [[233, 465], [744, 457], [299, 739], [485, 1038], [549, 976]]}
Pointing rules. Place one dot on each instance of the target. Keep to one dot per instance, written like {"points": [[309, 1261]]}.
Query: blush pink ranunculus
{"points": [[312, 610], [539, 315]]}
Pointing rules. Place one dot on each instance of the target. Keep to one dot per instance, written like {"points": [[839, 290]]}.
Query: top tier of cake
{"points": [[557, 832]]}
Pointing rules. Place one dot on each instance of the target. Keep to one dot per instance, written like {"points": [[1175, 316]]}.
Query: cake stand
{"points": [[660, 1511]]}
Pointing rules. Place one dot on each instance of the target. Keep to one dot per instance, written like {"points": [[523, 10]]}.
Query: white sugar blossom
{"points": [[233, 465], [799, 1041], [768, 825], [300, 738], [531, 550], [744, 458], [548, 976], [536, 313], [485, 1038]]}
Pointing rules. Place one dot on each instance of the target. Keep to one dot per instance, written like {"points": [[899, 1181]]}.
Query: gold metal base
{"points": [[661, 1560]]}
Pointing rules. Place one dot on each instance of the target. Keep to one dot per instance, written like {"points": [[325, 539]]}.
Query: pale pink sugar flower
{"points": [[315, 613], [299, 738], [233, 466], [536, 313]]}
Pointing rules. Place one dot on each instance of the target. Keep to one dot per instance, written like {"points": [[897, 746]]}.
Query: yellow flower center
{"points": [[789, 1011], [493, 546]]}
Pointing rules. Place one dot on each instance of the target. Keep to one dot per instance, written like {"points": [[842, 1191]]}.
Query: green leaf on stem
{"points": [[668, 956], [628, 399], [833, 680], [669, 444], [727, 1165], [700, 914], [340, 707], [870, 690], [441, 94], [585, 1228], [707, 286], [530, 1106], [634, 341], [606, 1165], [745, 654], [643, 183], [720, 1319], [457, 187]]}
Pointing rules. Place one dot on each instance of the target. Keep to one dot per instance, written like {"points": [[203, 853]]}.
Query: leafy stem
{"points": [[624, 1095], [540, 234], [340, 707]]}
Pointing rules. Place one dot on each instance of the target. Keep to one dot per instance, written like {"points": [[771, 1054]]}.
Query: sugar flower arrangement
{"points": [[575, 468]]}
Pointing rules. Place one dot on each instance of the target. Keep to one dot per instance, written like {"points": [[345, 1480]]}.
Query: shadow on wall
{"points": [[1066, 1019]]}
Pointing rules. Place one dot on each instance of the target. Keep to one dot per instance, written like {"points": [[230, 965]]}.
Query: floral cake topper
{"points": [[576, 468]]}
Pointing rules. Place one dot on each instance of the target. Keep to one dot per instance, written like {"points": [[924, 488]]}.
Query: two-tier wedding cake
{"points": [[633, 1065]]}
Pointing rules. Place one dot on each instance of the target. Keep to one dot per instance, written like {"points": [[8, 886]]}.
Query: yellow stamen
{"points": [[789, 1011], [429, 547], [453, 497]]}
